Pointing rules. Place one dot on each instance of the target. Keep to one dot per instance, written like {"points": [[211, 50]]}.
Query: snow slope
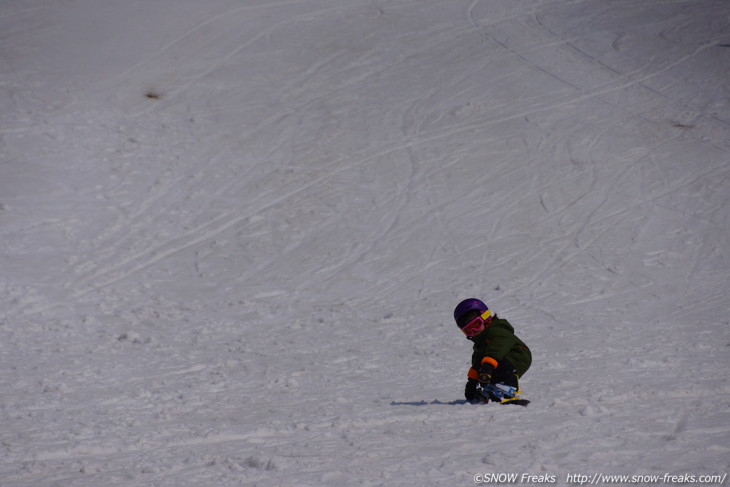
{"points": [[233, 233]]}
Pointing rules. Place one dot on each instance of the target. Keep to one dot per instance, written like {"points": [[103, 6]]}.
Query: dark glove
{"points": [[470, 392], [485, 373]]}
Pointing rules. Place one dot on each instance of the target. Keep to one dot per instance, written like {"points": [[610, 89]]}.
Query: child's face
{"points": [[473, 327]]}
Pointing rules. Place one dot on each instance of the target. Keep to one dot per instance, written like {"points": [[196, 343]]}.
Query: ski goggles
{"points": [[475, 326]]}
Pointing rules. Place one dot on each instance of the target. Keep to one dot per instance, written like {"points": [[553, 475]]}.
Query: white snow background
{"points": [[232, 234]]}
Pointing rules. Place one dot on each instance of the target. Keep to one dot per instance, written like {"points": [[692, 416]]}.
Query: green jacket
{"points": [[498, 342]]}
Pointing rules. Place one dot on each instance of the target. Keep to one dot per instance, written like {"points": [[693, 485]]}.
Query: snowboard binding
{"points": [[502, 394]]}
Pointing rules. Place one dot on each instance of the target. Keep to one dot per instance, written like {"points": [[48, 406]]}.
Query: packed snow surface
{"points": [[232, 234]]}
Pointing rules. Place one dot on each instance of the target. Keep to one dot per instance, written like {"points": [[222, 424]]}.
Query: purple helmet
{"points": [[467, 305]]}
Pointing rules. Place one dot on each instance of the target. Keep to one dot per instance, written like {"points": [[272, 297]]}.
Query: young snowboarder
{"points": [[500, 358]]}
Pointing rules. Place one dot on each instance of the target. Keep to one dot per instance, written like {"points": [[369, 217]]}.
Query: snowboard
{"points": [[517, 401]]}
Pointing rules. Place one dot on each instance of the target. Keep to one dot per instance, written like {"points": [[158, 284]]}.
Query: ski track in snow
{"points": [[231, 243]]}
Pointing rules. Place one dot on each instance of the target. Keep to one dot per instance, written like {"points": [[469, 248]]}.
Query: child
{"points": [[499, 356]]}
